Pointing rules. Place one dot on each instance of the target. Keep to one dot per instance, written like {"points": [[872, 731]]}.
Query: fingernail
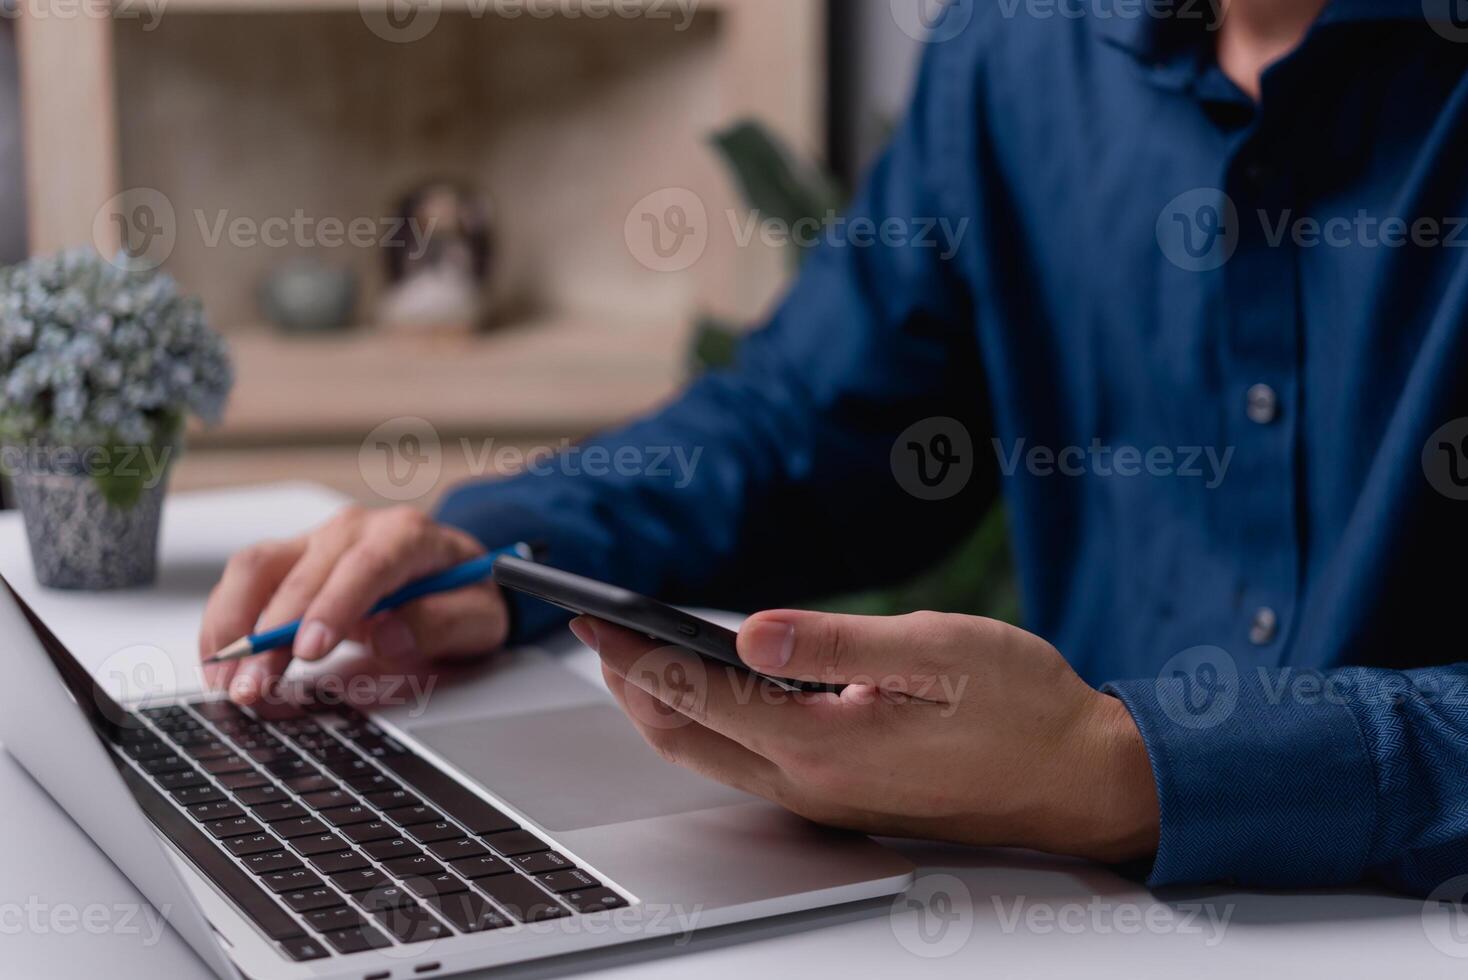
{"points": [[314, 641], [391, 638], [767, 643], [586, 633]]}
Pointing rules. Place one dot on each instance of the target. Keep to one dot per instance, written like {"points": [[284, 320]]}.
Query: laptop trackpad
{"points": [[573, 768]]}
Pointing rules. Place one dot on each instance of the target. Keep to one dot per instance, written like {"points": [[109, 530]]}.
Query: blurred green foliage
{"points": [[978, 577]]}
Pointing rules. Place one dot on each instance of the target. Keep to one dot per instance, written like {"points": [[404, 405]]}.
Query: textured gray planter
{"points": [[78, 539]]}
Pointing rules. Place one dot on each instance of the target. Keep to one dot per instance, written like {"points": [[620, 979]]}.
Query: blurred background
{"points": [[518, 221]]}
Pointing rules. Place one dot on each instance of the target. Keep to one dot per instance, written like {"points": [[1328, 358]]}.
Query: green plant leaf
{"points": [[122, 492], [715, 344]]}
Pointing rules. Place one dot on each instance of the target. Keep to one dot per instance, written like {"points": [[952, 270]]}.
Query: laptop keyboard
{"points": [[332, 836]]}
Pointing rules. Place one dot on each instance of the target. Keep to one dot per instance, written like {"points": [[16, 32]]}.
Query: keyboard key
{"points": [[407, 816], [233, 827], [417, 864], [315, 844], [391, 848], [148, 748], [357, 939], [348, 768], [360, 881], [304, 949], [191, 796], [183, 779], [260, 795], [268, 861], [165, 763], [387, 896], [209, 749], [231, 763], [311, 899], [469, 912], [426, 886], [299, 827], [520, 898], [341, 917], [458, 847], [371, 782], [593, 900], [344, 816], [411, 925], [251, 844], [297, 879], [275, 812], [235, 781], [329, 799], [216, 810], [568, 881], [288, 768], [217, 710], [449, 795], [515, 842], [545, 861], [428, 833], [312, 783], [391, 799], [338, 861], [484, 866], [364, 832]]}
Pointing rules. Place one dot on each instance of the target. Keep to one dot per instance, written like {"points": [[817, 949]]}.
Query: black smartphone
{"points": [[653, 619]]}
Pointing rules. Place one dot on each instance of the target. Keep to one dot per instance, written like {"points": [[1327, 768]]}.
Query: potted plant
{"points": [[99, 368]]}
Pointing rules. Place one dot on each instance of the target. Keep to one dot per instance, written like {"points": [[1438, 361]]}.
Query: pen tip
{"points": [[236, 650]]}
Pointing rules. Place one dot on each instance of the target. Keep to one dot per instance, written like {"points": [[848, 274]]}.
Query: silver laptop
{"points": [[387, 846]]}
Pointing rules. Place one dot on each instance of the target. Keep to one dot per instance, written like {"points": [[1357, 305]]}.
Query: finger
{"points": [[752, 712], [695, 747], [900, 653], [249, 580], [256, 675], [453, 625], [397, 547]]}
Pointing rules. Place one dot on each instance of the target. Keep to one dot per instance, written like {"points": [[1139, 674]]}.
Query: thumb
{"points": [[837, 649], [453, 625]]}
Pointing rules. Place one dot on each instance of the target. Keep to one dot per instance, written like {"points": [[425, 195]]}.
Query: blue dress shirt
{"points": [[1212, 353]]}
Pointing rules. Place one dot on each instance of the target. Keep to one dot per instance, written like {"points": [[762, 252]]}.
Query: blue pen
{"points": [[446, 581]]}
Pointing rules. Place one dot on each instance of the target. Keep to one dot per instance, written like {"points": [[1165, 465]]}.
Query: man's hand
{"points": [[954, 728], [330, 579]]}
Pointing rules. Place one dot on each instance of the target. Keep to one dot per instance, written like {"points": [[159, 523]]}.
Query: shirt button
{"points": [[1263, 404], [1264, 627]]}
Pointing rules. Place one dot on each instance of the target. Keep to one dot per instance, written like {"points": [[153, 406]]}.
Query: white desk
{"points": [[1012, 914]]}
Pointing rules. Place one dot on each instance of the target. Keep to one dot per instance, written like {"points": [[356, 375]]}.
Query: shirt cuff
{"points": [[1257, 787]]}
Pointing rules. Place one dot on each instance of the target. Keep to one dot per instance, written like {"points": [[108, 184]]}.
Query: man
{"points": [[1201, 314]]}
